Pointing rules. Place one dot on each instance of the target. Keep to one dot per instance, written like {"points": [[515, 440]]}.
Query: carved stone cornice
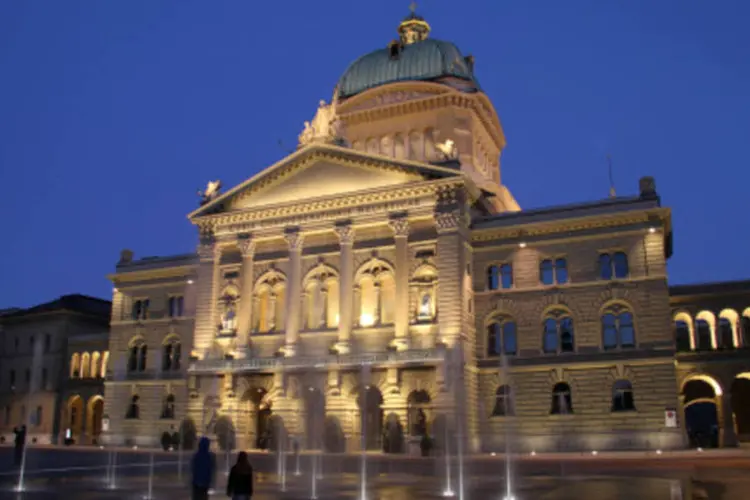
{"points": [[295, 238], [246, 244], [567, 226], [345, 232], [394, 199], [400, 227]]}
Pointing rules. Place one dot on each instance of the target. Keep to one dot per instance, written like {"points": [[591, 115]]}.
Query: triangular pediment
{"points": [[322, 171]]}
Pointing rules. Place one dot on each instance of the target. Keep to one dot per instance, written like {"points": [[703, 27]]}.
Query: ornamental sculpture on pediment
{"points": [[326, 125], [212, 191]]}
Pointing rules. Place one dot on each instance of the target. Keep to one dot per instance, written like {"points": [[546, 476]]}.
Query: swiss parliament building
{"points": [[383, 278]]}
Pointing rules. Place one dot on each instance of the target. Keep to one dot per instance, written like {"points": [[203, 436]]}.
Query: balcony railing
{"points": [[415, 356]]}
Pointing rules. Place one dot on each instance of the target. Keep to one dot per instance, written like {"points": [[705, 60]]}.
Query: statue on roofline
{"points": [[212, 191], [326, 126]]}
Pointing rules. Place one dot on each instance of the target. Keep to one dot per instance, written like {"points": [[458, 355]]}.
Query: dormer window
{"points": [[394, 49]]}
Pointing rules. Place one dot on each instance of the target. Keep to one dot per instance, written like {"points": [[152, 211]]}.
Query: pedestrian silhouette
{"points": [[240, 483], [203, 469]]}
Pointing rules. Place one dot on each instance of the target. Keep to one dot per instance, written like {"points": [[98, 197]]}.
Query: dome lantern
{"points": [[413, 28]]}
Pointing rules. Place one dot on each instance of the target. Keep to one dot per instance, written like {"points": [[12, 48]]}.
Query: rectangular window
{"points": [[613, 266], [176, 306], [15, 343], [506, 276], [44, 379], [28, 376], [553, 271], [140, 309], [12, 378], [47, 343]]}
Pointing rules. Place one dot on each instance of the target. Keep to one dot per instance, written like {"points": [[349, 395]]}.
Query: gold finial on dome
{"points": [[413, 28]]}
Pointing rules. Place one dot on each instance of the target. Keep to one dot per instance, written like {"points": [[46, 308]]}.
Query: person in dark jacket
{"points": [[240, 483], [203, 469], [20, 442]]}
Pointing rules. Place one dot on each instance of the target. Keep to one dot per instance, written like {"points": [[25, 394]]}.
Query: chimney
{"points": [[126, 257]]}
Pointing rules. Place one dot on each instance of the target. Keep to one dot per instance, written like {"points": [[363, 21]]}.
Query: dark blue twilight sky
{"points": [[113, 113]]}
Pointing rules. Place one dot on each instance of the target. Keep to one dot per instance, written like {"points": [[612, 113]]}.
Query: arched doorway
{"points": [[95, 412], [701, 413], [277, 432], [741, 405], [315, 414], [393, 435], [333, 436], [259, 412], [74, 420], [417, 407], [369, 402]]}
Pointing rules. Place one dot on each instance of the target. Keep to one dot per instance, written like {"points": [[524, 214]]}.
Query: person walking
{"points": [[240, 482], [19, 442], [203, 469]]}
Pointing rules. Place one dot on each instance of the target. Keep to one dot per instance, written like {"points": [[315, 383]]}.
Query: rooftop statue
{"points": [[448, 149], [212, 191], [325, 126]]}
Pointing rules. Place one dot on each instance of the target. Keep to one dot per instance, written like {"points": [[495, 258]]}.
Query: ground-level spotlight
{"points": [[522, 244], [658, 452], [135, 446], [595, 453], [533, 453], [101, 447], [699, 449], [448, 493], [509, 497], [493, 454]]}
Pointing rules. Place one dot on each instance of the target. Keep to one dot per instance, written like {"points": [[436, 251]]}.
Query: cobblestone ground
{"points": [[66, 475]]}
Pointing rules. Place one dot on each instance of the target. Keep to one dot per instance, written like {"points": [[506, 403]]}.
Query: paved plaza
{"points": [[83, 473]]}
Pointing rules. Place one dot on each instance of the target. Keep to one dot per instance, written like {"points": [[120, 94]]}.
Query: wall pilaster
{"points": [[294, 296], [401, 236], [209, 255], [346, 287], [245, 313]]}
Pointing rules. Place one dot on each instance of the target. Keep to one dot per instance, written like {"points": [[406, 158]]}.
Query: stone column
{"points": [[245, 312], [209, 254], [401, 235], [346, 287], [728, 435], [293, 296]]}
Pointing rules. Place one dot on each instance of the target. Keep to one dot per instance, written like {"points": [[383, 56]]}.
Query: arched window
{"points": [[618, 329], [268, 312], [562, 401], [167, 410], [416, 147], [682, 335], [417, 404], [726, 334], [613, 266], [171, 355], [745, 330], [95, 358], [321, 298], [133, 410], [377, 293], [386, 146], [501, 337], [622, 396], [75, 365], [228, 307], [85, 365], [504, 406], [558, 335], [553, 271], [105, 362], [424, 291], [137, 356], [703, 330]]}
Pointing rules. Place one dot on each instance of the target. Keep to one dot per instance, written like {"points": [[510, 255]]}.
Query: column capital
{"points": [[246, 243], [400, 227], [448, 221], [345, 233], [295, 238]]}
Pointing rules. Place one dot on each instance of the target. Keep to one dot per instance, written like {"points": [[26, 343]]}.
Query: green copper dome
{"points": [[423, 60]]}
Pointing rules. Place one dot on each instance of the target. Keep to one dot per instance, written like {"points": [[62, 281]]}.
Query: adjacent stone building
{"points": [[381, 283], [34, 362]]}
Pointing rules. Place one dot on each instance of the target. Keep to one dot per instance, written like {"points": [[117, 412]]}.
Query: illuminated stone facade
{"points": [[384, 270]]}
